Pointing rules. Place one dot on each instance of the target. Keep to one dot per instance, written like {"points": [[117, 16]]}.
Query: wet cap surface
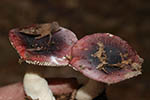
{"points": [[47, 54], [105, 58]]}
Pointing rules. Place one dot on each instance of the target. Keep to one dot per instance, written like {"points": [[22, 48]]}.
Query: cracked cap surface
{"points": [[105, 58]]}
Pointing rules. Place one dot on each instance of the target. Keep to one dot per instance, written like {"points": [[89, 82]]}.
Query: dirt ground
{"points": [[129, 19]]}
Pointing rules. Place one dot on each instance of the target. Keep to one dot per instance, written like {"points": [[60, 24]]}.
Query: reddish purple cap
{"points": [[105, 58], [51, 54]]}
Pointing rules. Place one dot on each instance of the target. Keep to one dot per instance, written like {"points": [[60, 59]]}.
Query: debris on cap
{"points": [[40, 51], [106, 58]]}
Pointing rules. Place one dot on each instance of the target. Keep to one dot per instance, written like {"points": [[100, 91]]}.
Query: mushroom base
{"points": [[64, 81]]}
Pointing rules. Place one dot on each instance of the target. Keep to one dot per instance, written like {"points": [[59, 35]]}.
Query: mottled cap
{"points": [[40, 51], [105, 58]]}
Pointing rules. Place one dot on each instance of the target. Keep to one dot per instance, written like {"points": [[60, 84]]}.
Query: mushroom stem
{"points": [[36, 87], [90, 90]]}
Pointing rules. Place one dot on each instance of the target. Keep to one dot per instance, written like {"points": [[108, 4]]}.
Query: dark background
{"points": [[129, 19]]}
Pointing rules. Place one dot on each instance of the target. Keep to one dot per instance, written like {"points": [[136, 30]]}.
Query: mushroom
{"points": [[105, 59], [41, 52]]}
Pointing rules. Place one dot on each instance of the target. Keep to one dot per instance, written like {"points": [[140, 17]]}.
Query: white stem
{"points": [[36, 87], [90, 90]]}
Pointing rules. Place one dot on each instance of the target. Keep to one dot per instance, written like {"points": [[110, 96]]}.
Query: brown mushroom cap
{"points": [[53, 54], [105, 58]]}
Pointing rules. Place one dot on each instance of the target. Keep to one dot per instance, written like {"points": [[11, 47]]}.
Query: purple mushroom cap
{"points": [[105, 58], [51, 54]]}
